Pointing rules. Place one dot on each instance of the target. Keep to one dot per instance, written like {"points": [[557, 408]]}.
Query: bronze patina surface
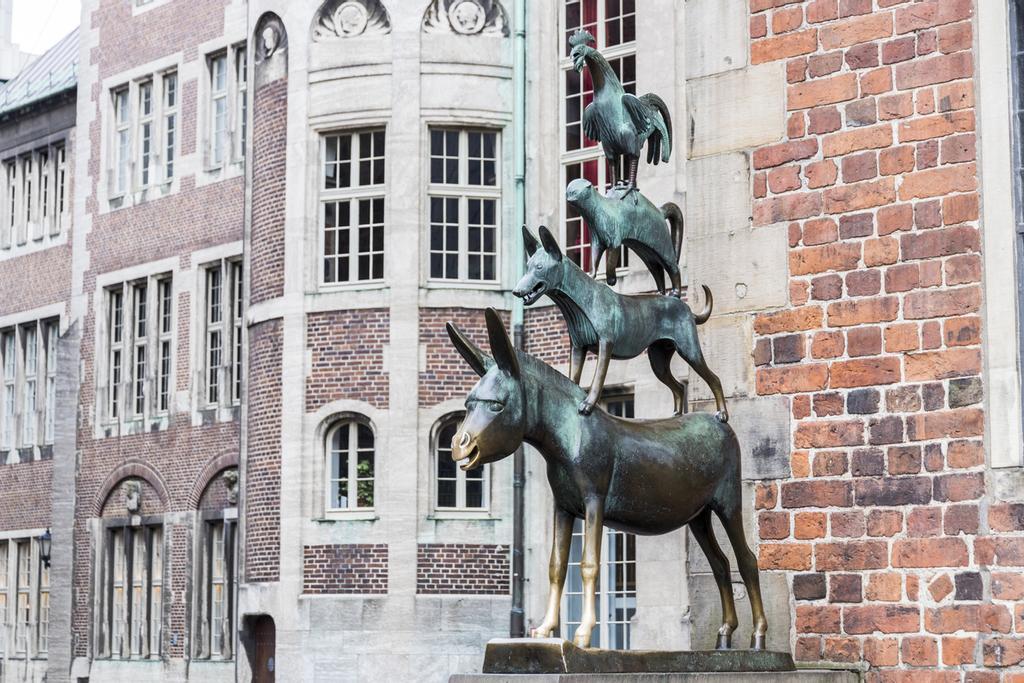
{"points": [[639, 225], [554, 655], [613, 325], [622, 122], [640, 476]]}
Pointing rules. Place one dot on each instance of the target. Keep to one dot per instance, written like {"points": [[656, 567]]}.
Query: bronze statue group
{"points": [[639, 476]]}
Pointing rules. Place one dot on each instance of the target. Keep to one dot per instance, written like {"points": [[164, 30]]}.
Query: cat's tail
{"points": [[703, 316], [674, 216]]}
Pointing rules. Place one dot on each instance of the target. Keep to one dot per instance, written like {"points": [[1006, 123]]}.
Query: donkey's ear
{"points": [[529, 242], [550, 245], [501, 346], [477, 359]]}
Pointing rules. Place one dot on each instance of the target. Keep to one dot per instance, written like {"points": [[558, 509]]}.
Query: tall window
{"points": [[9, 216], [145, 130], [28, 369], [616, 593], [43, 627], [28, 198], [4, 587], [137, 342], [30, 385], [170, 115], [10, 365], [228, 106], [456, 489], [613, 24], [123, 141], [350, 466], [23, 606], [33, 196], [352, 206], [223, 300], [216, 634], [464, 199], [132, 608]]}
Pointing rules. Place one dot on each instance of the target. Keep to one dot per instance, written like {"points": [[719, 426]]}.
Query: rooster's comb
{"points": [[581, 37]]}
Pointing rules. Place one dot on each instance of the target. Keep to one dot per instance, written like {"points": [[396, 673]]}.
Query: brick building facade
{"points": [[233, 394]]}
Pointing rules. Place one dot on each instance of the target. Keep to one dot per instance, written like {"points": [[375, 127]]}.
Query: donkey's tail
{"points": [[703, 316], [674, 216]]}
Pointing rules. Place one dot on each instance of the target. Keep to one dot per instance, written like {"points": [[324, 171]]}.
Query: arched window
{"points": [[454, 488], [350, 466]]}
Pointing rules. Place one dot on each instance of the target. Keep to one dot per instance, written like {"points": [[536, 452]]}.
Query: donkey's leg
{"points": [[688, 346], [556, 572], [660, 356], [577, 357], [589, 567], [705, 535], [732, 519], [604, 357]]}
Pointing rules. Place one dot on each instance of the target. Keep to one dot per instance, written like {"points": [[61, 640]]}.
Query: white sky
{"points": [[39, 24]]}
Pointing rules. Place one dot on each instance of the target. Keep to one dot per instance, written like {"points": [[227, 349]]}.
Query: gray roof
{"points": [[53, 72]]}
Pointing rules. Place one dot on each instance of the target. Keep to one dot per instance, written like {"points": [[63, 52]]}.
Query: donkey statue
{"points": [[641, 476]]}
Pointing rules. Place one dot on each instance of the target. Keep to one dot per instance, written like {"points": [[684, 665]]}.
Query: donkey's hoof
{"points": [[757, 641], [674, 292], [586, 408], [722, 415], [724, 642]]}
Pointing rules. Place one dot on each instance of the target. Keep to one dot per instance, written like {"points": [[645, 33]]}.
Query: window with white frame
{"points": [[24, 599], [139, 348], [144, 128], [223, 339], [28, 361], [34, 201], [456, 489], [217, 571], [132, 604], [616, 593], [228, 106], [613, 25], [352, 206], [350, 466], [464, 202]]}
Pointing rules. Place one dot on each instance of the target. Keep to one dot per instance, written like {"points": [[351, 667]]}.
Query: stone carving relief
{"points": [[132, 496], [271, 38], [230, 478], [466, 17], [350, 18]]}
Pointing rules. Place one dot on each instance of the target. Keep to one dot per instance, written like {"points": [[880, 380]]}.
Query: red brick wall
{"points": [[896, 550], [348, 357], [546, 335], [354, 568], [447, 375], [462, 568], [270, 132], [263, 454], [27, 496]]}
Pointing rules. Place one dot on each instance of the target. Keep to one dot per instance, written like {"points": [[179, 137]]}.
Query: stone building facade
{"points": [[232, 392]]}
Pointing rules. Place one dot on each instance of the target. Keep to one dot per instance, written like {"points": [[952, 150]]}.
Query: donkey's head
{"points": [[496, 407], [543, 267]]}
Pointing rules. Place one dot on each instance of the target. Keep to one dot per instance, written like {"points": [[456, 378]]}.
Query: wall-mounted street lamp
{"points": [[45, 541]]}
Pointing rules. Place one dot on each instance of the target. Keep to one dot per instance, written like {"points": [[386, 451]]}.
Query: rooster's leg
{"points": [[631, 185]]}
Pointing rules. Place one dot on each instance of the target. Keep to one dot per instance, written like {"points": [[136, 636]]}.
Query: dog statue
{"points": [[615, 325], [639, 225]]}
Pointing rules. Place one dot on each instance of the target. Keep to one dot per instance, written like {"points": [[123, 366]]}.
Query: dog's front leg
{"points": [[577, 357], [604, 357]]}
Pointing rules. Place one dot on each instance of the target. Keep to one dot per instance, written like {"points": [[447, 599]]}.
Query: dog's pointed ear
{"points": [[529, 242], [473, 354], [501, 345], [550, 245]]}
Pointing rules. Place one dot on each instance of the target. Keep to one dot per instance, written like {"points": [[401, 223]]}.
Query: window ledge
{"points": [[349, 516], [464, 284], [327, 288], [455, 515]]}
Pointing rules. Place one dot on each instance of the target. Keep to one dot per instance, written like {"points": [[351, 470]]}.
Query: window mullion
{"points": [[353, 470]]}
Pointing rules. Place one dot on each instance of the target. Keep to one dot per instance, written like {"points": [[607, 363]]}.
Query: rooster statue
{"points": [[621, 122]]}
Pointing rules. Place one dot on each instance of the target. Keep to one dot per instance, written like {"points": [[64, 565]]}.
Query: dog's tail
{"points": [[674, 216], [703, 316]]}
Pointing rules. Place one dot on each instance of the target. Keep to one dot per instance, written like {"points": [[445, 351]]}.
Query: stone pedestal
{"points": [[547, 660]]}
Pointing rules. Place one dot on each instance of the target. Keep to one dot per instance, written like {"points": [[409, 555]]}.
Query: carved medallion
{"points": [[466, 17], [349, 18], [132, 496], [230, 479]]}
